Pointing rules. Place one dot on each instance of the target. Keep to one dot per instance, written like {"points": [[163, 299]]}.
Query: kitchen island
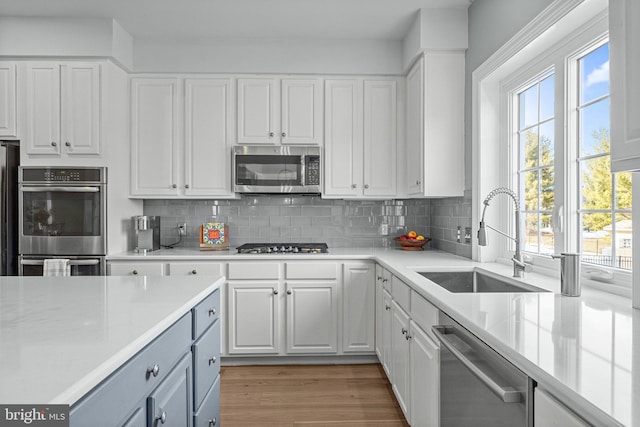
{"points": [[583, 350], [62, 337]]}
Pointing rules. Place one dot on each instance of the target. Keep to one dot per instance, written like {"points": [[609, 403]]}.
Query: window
{"points": [[570, 201]]}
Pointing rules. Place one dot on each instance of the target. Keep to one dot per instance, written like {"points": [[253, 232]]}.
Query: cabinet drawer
{"points": [[401, 292], [115, 398], [205, 313], [196, 268], [143, 268], [206, 362], [209, 413], [311, 270], [423, 313], [254, 270]]}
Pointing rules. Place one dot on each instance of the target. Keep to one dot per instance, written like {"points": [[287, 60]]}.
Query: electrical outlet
{"points": [[182, 229], [384, 229]]}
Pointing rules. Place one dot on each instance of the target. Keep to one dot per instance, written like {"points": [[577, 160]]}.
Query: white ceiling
{"points": [[219, 19]]}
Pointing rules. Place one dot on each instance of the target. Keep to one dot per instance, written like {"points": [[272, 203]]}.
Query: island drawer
{"points": [[206, 362], [115, 398], [311, 270], [209, 413], [254, 270], [206, 313]]}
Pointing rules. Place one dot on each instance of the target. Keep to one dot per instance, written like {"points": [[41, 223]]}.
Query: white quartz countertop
{"points": [[61, 336], [585, 350]]}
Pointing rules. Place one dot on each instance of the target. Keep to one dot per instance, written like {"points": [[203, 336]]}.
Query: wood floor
{"points": [[308, 396]]}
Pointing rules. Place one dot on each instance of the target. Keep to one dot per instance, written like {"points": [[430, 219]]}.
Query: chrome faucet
{"points": [[519, 267]]}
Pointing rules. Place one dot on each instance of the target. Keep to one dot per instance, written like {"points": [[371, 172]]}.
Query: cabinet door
{"points": [[624, 36], [171, 402], [312, 317], [379, 312], [400, 369], [548, 412], [8, 100], [425, 379], [43, 108], [208, 124], [343, 138], [358, 296], [136, 268], [301, 112], [257, 111], [154, 137], [415, 129], [80, 101], [254, 321], [386, 333], [380, 136]]}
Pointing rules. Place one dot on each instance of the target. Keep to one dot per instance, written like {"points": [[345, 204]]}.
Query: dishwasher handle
{"points": [[507, 394]]}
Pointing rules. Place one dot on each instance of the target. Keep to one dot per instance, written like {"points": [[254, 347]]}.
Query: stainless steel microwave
{"points": [[277, 169]]}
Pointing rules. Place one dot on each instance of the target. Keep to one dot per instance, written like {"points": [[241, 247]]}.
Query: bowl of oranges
{"points": [[412, 241]]}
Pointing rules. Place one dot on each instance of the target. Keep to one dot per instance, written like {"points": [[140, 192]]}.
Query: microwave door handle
{"points": [[303, 171], [31, 189], [32, 262]]}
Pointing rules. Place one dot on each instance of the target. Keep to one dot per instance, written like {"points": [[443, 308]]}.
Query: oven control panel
{"points": [[71, 175]]}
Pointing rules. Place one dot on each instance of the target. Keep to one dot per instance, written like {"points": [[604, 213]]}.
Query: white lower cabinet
{"points": [[254, 317], [312, 317], [400, 368], [425, 378], [548, 412], [386, 332]]}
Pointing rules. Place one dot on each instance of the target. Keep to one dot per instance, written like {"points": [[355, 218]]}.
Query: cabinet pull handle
{"points": [[288, 291], [408, 337], [212, 360], [385, 280], [194, 272], [271, 134], [212, 311], [53, 143], [379, 277], [418, 182], [153, 370], [354, 186], [387, 307], [134, 272], [163, 417], [275, 292], [212, 422], [67, 144], [404, 331]]}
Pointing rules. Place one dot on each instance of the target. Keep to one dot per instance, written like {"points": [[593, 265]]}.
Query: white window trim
{"points": [[490, 130]]}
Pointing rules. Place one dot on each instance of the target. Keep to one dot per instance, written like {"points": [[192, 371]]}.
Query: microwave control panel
{"points": [[312, 170]]}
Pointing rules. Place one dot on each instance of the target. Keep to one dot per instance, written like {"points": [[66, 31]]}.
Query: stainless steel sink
{"points": [[476, 282]]}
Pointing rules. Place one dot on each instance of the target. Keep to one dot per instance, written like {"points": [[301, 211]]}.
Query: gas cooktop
{"points": [[283, 248]]}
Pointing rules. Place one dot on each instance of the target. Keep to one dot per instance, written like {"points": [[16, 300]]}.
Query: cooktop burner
{"points": [[283, 248]]}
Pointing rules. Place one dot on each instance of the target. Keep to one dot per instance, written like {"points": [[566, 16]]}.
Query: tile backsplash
{"points": [[298, 218]]}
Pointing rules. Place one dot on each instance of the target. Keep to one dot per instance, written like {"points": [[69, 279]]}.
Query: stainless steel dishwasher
{"points": [[478, 387]]}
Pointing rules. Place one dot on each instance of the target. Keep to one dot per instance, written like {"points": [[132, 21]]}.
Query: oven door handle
{"points": [[30, 189], [507, 394], [71, 262]]}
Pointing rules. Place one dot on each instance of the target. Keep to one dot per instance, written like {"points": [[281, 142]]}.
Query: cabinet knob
{"points": [[271, 134], [284, 134], [275, 292], [162, 417], [212, 360], [288, 291], [194, 272], [134, 272], [67, 144], [404, 331], [408, 337], [387, 307], [186, 186], [212, 311], [53, 143], [354, 185], [212, 422], [379, 277], [366, 186], [153, 370], [385, 280], [418, 182], [174, 186]]}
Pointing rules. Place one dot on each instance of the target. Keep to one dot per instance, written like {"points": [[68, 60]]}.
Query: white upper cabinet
{"points": [[8, 100], [180, 137], [360, 138], [624, 37], [279, 111], [63, 109], [435, 125]]}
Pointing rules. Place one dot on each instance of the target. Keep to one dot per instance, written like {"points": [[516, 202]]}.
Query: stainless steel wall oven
{"points": [[62, 213]]}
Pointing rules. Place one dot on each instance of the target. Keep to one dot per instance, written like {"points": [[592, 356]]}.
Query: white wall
{"points": [[269, 56]]}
